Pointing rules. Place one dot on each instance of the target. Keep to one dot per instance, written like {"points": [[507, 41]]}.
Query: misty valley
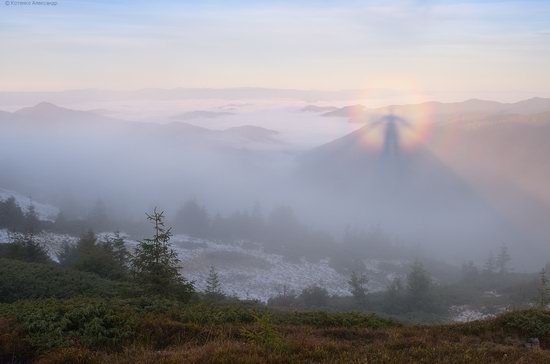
{"points": [[277, 215], [421, 213], [275, 182]]}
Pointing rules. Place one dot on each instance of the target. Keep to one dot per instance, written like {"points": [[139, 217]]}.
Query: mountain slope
{"points": [[410, 193], [50, 117], [45, 212]]}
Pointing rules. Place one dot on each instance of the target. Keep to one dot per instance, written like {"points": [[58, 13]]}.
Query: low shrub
{"points": [[93, 323], [531, 323], [335, 319], [21, 280]]}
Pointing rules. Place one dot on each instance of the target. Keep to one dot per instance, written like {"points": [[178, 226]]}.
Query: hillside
{"points": [[410, 192], [153, 329], [45, 212], [49, 116]]}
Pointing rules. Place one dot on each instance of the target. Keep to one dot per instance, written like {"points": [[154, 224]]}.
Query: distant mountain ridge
{"points": [[236, 93], [200, 114], [360, 113], [318, 109], [47, 115]]}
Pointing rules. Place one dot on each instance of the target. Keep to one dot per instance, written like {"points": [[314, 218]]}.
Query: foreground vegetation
{"points": [[156, 330], [53, 314], [100, 303]]}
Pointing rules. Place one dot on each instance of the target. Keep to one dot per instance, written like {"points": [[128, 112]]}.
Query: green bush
{"points": [[532, 323], [264, 333], [91, 323], [21, 280], [333, 319]]}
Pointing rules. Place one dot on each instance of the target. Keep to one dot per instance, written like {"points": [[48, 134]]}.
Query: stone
{"points": [[532, 343]]}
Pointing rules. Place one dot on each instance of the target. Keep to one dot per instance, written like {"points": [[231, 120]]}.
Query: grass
{"points": [[154, 330], [49, 314]]}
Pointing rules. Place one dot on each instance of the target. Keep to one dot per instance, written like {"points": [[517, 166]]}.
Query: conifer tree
{"points": [[544, 290], [503, 259], [117, 246], [213, 285], [469, 271], [419, 286], [11, 215], [394, 295], [67, 254], [155, 264], [192, 219], [24, 247], [32, 222], [116, 255], [108, 258], [490, 264], [358, 284]]}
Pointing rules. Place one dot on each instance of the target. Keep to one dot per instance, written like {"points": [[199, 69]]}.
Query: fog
{"points": [[474, 182]]}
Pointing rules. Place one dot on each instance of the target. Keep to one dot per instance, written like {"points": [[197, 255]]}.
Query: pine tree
{"points": [[98, 217], [88, 256], [213, 285], [87, 242], [24, 247], [544, 290], [193, 220], [358, 284], [469, 271], [67, 255], [394, 295], [503, 259], [32, 222], [490, 264], [218, 228], [117, 246], [11, 215], [60, 224], [155, 264], [116, 255], [418, 286], [108, 258], [314, 296], [285, 297]]}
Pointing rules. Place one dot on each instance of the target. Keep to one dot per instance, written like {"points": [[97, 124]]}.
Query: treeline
{"points": [[153, 265], [280, 231], [14, 218], [415, 294]]}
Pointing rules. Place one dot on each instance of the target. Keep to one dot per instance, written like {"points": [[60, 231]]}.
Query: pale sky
{"points": [[429, 45]]}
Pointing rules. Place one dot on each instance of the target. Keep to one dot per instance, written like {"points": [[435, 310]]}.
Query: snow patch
{"points": [[245, 270], [52, 242]]}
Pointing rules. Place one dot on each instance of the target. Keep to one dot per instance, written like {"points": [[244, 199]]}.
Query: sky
{"points": [[451, 46]]}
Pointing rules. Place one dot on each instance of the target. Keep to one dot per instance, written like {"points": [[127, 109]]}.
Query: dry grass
{"points": [[306, 344], [198, 333]]}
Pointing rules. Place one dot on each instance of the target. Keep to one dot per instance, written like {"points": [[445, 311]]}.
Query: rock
{"points": [[532, 343]]}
